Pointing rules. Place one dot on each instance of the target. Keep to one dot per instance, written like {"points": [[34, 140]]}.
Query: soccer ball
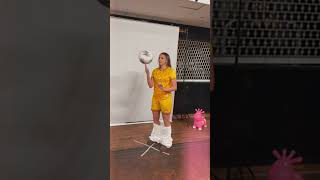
{"points": [[145, 57]]}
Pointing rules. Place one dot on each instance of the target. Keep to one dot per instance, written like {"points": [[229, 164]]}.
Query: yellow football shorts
{"points": [[162, 104]]}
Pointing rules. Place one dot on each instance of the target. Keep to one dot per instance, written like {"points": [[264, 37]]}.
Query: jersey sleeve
{"points": [[173, 75]]}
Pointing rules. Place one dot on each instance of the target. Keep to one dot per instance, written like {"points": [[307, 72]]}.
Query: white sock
{"points": [[166, 138], [155, 134]]}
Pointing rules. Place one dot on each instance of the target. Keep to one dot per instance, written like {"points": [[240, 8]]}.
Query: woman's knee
{"points": [[166, 119]]}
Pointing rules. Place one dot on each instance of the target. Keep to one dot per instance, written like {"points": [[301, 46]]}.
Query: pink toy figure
{"points": [[199, 120], [283, 168]]}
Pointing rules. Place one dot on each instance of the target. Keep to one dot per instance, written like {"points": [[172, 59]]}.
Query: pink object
{"points": [[283, 168], [199, 120]]}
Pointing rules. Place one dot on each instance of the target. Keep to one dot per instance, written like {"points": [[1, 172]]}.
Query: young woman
{"points": [[163, 80]]}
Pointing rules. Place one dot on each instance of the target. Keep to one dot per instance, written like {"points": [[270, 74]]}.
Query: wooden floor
{"points": [[186, 161], [309, 172], [122, 137], [189, 156]]}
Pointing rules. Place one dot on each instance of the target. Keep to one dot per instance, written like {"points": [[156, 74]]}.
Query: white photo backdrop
{"points": [[130, 96]]}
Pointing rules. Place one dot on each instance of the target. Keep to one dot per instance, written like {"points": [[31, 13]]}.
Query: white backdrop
{"points": [[130, 96]]}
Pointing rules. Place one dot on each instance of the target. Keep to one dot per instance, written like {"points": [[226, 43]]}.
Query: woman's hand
{"points": [[172, 88], [161, 87]]}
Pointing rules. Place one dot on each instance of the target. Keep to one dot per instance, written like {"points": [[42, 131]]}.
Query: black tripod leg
{"points": [[251, 173], [241, 173], [228, 177], [215, 177]]}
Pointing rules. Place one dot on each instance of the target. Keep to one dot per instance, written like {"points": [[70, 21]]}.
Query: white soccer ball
{"points": [[145, 57]]}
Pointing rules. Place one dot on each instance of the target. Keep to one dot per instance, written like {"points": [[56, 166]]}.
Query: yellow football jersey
{"points": [[164, 78]]}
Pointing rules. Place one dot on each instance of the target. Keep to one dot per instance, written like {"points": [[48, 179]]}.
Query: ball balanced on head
{"points": [[145, 57]]}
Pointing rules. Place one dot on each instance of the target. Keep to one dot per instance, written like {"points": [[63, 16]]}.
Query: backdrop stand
{"points": [[184, 115]]}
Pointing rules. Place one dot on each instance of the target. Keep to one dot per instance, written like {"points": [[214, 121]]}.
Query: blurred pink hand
{"points": [[283, 168]]}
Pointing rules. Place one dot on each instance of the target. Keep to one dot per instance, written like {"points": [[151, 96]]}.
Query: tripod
{"points": [[184, 115]]}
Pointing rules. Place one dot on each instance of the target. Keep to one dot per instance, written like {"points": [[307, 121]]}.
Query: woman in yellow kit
{"points": [[163, 79]]}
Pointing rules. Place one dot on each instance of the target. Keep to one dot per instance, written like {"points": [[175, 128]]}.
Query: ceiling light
{"points": [[201, 1]]}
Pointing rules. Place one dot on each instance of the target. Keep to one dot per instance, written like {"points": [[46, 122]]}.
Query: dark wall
{"points": [[195, 34], [56, 94], [191, 95], [257, 108]]}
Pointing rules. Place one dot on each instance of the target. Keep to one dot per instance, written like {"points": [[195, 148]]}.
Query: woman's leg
{"points": [[166, 138], [166, 119], [155, 134], [156, 117], [166, 107]]}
